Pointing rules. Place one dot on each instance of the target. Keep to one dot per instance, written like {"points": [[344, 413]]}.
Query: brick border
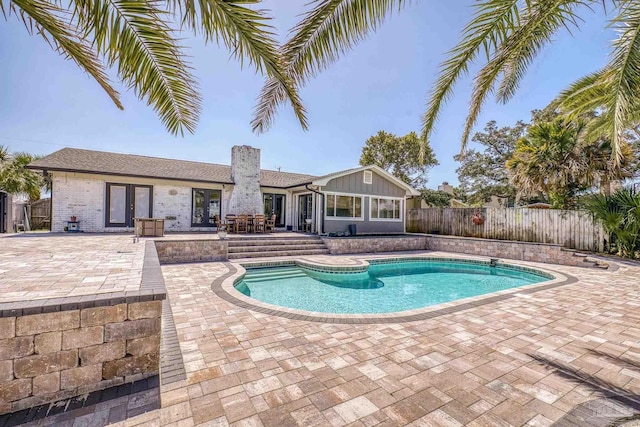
{"points": [[171, 362], [86, 401], [152, 288], [217, 288]]}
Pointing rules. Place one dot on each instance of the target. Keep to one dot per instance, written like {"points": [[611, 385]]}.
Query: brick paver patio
{"points": [[42, 265], [528, 360], [469, 368]]}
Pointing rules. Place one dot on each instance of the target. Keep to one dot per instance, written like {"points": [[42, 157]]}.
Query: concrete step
{"points": [[276, 248], [596, 263], [272, 242], [282, 253]]}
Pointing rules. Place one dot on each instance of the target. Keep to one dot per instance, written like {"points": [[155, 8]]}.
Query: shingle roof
{"points": [[89, 161]]}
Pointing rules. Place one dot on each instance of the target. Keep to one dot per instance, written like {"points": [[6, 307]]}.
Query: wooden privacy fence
{"points": [[572, 229], [40, 214]]}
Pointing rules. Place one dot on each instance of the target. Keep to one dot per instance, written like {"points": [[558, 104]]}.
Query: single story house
{"points": [[106, 191]]}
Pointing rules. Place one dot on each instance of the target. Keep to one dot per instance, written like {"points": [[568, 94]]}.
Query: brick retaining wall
{"points": [[53, 356], [358, 245], [524, 251], [198, 250]]}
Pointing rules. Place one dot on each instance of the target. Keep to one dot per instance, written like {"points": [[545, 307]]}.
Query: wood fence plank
{"points": [[572, 229]]}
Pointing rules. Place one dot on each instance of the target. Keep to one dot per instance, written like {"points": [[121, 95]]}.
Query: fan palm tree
{"points": [[138, 38], [555, 159], [620, 216], [508, 33], [16, 178]]}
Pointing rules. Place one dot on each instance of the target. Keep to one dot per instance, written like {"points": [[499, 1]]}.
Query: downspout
{"points": [[321, 215]]}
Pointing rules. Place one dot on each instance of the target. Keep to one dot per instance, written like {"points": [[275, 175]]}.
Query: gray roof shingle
{"points": [[89, 161]]}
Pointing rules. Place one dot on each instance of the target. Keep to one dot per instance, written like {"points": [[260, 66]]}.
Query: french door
{"points": [[274, 205], [305, 211], [205, 206], [126, 202]]}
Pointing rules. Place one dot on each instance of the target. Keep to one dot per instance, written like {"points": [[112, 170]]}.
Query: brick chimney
{"points": [[246, 197]]}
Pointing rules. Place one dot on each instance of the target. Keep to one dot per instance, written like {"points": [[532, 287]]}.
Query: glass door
{"points": [[205, 207], [141, 202], [305, 212], [126, 202], [274, 204]]}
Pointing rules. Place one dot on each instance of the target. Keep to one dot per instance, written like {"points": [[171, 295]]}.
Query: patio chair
{"points": [[221, 225], [259, 224], [241, 224], [270, 224], [229, 221]]}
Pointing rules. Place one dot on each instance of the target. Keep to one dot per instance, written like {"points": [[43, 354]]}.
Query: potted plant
{"points": [[478, 219], [73, 218]]}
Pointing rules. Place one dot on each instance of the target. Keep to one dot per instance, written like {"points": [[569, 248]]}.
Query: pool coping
{"points": [[224, 287]]}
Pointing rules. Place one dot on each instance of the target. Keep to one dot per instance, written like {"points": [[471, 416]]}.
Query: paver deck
{"points": [[528, 360], [468, 368], [37, 266], [42, 265]]}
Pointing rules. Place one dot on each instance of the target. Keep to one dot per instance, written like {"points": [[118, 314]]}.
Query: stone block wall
{"points": [[357, 245], [53, 356], [200, 250], [524, 251]]}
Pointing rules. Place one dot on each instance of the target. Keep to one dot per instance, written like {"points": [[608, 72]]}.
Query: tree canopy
{"points": [[555, 160], [436, 198], [482, 172], [405, 157]]}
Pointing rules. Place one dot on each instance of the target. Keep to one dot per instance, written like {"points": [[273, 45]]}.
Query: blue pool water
{"points": [[385, 288]]}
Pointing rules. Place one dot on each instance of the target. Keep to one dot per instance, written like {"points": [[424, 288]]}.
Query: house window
{"points": [[368, 177], [339, 206], [386, 209]]}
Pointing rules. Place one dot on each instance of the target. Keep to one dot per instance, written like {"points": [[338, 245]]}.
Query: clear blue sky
{"points": [[47, 103]]}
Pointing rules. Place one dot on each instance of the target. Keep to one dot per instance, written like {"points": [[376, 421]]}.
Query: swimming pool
{"points": [[384, 287]]}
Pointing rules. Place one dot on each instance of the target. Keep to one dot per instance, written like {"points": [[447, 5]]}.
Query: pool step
{"points": [[260, 247], [274, 275]]}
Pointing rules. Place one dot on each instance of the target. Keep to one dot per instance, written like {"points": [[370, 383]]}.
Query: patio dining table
{"points": [[231, 222]]}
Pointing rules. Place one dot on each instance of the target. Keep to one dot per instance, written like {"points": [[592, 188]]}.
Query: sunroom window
{"points": [[382, 208], [339, 206]]}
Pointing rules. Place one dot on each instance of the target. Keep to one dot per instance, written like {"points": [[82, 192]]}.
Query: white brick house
{"points": [[105, 191]]}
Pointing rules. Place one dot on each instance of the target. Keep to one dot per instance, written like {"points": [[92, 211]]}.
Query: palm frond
{"points": [[327, 31], [583, 96], [625, 67], [539, 22], [135, 36], [516, 67], [492, 22], [248, 36], [56, 26]]}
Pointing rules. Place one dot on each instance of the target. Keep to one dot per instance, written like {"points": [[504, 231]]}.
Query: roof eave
{"points": [[42, 168]]}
